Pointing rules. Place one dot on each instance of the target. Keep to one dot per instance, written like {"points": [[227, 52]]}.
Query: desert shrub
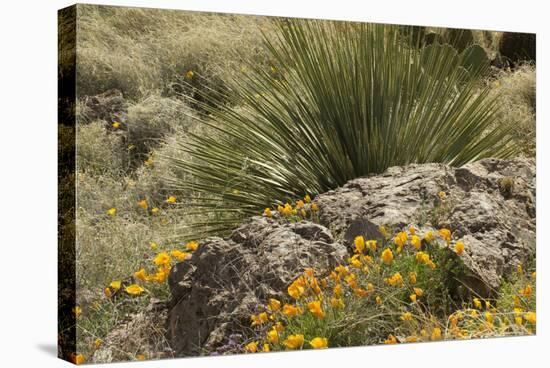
{"points": [[100, 151], [314, 120], [139, 50], [516, 93], [151, 119]]}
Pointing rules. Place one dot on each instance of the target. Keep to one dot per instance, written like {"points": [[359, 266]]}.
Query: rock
{"points": [[222, 284], [108, 106], [490, 206], [141, 333]]}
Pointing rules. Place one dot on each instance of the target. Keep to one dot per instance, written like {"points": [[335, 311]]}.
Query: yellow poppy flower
{"points": [[337, 303], [192, 245], [77, 311], [111, 211], [527, 291], [258, 320], [383, 231], [429, 236], [143, 204], [274, 305], [459, 248], [412, 277], [319, 343], [267, 212], [189, 74], [162, 259], [291, 310], [436, 334], [359, 243], [251, 347], [416, 242], [295, 290], [531, 317], [337, 291], [115, 284], [115, 125], [77, 359], [390, 340], [400, 239], [161, 275], [279, 327], [134, 289], [411, 338], [140, 275], [155, 210], [171, 199], [477, 303], [294, 341], [371, 244], [272, 336], [445, 234], [97, 343], [387, 256], [179, 255], [315, 309]]}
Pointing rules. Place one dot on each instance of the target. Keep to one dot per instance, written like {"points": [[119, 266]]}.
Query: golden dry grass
{"points": [[139, 50]]}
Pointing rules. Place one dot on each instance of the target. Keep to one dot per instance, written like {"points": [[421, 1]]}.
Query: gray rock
{"points": [[215, 291], [491, 208], [140, 333]]}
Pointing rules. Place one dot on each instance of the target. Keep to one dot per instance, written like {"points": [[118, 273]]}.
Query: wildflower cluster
{"points": [[513, 313], [144, 205], [162, 262], [301, 209], [383, 284]]}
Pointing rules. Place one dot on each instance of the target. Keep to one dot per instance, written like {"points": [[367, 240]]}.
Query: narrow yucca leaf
{"points": [[345, 100]]}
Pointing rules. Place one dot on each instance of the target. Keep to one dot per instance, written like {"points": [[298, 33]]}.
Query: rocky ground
{"points": [[490, 206]]}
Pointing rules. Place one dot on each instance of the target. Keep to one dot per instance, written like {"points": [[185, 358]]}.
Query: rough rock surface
{"points": [[108, 106], [215, 291], [490, 206], [141, 333]]}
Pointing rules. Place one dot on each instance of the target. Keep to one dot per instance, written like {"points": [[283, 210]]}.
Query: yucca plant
{"points": [[341, 100]]}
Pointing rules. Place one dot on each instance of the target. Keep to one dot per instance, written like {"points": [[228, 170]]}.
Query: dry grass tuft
{"points": [[516, 91], [142, 50]]}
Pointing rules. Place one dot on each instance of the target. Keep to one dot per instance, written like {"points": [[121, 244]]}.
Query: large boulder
{"points": [[490, 206], [215, 291]]}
